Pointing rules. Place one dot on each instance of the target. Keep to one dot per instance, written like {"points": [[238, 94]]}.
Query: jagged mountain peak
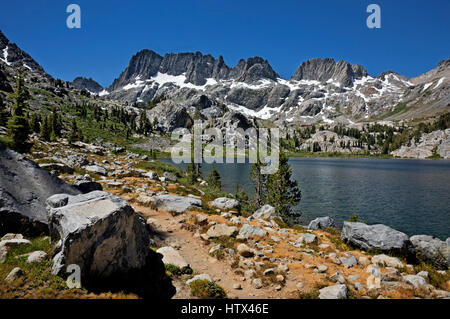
{"points": [[324, 69], [254, 69], [88, 84], [12, 55], [196, 67]]}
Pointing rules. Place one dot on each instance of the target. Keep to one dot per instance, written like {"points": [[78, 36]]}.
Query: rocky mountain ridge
{"points": [[321, 90]]}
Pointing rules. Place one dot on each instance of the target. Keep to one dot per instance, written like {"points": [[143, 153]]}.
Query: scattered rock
{"points": [[248, 231], [349, 262], [176, 204], [321, 223], [387, 261], [423, 274], [374, 270], [15, 274], [13, 243], [269, 271], [337, 277], [283, 269], [151, 175], [338, 291], [364, 261], [201, 219], [225, 203], [220, 230], [266, 212], [12, 236], [200, 277], [322, 268], [215, 249], [3, 254], [417, 281], [170, 176], [307, 238], [145, 200], [237, 286], [95, 169], [57, 167], [86, 186], [257, 283], [36, 257], [245, 251], [172, 257]]}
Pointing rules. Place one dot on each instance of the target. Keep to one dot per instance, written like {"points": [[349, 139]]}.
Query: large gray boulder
{"points": [[321, 223], [103, 235], [176, 204], [225, 203], [377, 237], [99, 232], [24, 187], [432, 250]]}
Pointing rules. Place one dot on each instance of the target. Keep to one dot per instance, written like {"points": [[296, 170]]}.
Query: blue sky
{"points": [[414, 35]]}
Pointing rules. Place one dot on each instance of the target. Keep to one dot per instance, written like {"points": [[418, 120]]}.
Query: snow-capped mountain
{"points": [[12, 55], [320, 89]]}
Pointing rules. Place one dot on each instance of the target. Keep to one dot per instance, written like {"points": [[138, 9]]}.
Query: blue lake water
{"points": [[412, 196]]}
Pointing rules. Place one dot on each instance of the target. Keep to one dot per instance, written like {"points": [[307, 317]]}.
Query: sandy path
{"points": [[195, 252]]}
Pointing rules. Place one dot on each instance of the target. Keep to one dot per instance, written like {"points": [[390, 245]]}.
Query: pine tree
{"points": [[45, 129], [214, 179], [259, 181], [248, 206], [190, 173], [35, 123], [18, 128], [75, 134], [3, 113], [282, 192]]}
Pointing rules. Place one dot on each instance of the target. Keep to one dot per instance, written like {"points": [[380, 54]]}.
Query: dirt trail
{"points": [[195, 251]]}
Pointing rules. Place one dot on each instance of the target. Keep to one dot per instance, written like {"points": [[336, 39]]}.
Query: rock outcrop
{"points": [[429, 144], [24, 188], [327, 69], [377, 237]]}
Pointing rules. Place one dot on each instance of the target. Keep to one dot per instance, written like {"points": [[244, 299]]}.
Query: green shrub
{"points": [[207, 290], [436, 279], [176, 271]]}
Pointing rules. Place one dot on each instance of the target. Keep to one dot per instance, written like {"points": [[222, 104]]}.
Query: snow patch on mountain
{"points": [[5, 56]]}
